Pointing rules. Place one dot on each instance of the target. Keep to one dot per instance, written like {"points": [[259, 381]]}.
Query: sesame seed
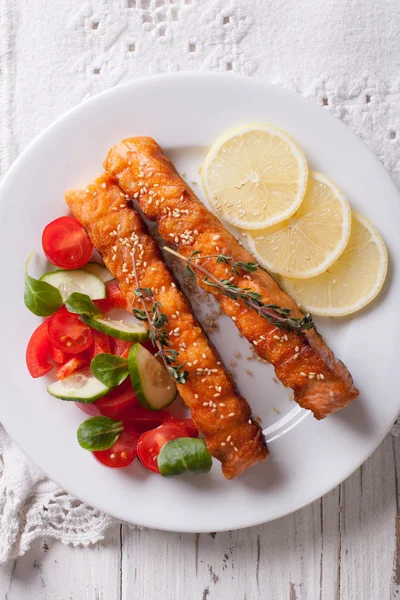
{"points": [[216, 237], [216, 395], [276, 337], [223, 443], [232, 443], [104, 185], [250, 421], [331, 394], [136, 195], [196, 395], [249, 372], [189, 364], [285, 337], [228, 439], [222, 404], [231, 414], [297, 349], [205, 403], [235, 449], [114, 257], [303, 374]]}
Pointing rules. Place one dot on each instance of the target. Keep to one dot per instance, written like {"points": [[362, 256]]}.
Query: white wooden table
{"points": [[343, 547]]}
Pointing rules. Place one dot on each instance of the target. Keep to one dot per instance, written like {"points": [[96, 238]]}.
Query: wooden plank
{"points": [[52, 571], [282, 557], [368, 527]]}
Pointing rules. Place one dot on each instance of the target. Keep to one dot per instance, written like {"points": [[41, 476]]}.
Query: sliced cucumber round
{"points": [[99, 271], [79, 387], [76, 280], [151, 382], [130, 332]]}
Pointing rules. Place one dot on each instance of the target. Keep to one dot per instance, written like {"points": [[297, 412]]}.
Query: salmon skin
{"points": [[302, 360], [220, 413]]}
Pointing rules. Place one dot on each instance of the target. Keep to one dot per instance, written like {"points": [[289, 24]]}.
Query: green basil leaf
{"points": [[99, 433], [81, 304], [40, 297], [184, 455], [109, 369]]}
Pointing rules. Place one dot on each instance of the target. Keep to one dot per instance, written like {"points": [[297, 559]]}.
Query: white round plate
{"points": [[185, 113]]}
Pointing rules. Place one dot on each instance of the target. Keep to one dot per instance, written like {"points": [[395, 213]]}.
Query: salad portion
{"points": [[103, 360]]}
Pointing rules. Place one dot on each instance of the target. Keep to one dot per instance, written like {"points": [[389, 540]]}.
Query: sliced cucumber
{"points": [[130, 332], [76, 280], [151, 382], [99, 271], [79, 387]]}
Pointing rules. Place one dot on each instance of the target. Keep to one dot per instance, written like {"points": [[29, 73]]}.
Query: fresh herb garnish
{"points": [[184, 455], [280, 317], [99, 433], [158, 335], [81, 304], [111, 370], [40, 297]]}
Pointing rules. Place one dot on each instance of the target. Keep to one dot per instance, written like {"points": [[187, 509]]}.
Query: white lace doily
{"points": [[342, 55]]}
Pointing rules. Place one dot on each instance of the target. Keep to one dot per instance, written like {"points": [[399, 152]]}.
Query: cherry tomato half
{"points": [[120, 403], [38, 351], [123, 452], [66, 244], [144, 420], [68, 333], [190, 427], [151, 442]]}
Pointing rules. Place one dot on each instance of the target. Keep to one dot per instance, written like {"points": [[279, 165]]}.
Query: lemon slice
{"points": [[255, 176], [352, 281], [312, 239]]}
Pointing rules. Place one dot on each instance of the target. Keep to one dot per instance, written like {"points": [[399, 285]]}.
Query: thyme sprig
{"points": [[158, 335], [276, 315]]}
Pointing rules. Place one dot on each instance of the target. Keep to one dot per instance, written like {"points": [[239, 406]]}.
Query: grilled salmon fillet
{"points": [[218, 410], [302, 360]]}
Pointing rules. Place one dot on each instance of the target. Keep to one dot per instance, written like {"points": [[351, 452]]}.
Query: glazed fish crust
{"points": [[302, 361], [218, 410]]}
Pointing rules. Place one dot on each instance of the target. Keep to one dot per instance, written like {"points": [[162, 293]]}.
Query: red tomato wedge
{"points": [[68, 333], [151, 442], [123, 452], [120, 403], [73, 364], [56, 354], [148, 344], [38, 351], [144, 420], [114, 299], [101, 343], [190, 427], [66, 244], [120, 347]]}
